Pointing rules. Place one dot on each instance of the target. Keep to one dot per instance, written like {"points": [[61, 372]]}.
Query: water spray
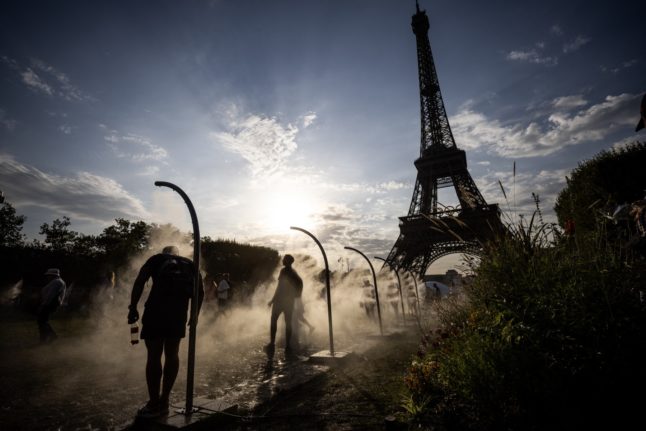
{"points": [[399, 283], [327, 285], [374, 279]]}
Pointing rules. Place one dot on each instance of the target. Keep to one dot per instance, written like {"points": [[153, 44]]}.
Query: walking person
{"points": [[224, 293], [52, 295], [289, 287], [163, 322]]}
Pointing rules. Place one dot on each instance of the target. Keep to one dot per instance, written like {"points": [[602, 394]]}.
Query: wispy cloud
{"points": [[621, 66], [64, 128], [83, 195], [569, 102], [532, 56], [43, 78], [575, 44], [556, 30], [539, 138], [135, 148], [308, 119], [264, 142]]}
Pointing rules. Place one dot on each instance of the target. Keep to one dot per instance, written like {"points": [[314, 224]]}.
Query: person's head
{"points": [[288, 260], [171, 249], [52, 273]]}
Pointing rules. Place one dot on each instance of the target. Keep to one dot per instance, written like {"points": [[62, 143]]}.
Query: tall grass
{"points": [[552, 335]]}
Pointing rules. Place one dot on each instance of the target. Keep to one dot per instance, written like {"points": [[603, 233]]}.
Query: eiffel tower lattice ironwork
{"points": [[432, 230]]}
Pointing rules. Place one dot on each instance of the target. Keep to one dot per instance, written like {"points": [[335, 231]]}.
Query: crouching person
{"points": [[164, 322]]}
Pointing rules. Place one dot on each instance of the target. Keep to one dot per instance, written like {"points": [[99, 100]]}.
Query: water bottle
{"points": [[134, 334]]}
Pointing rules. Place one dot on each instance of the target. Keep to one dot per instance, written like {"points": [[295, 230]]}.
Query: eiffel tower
{"points": [[432, 230]]}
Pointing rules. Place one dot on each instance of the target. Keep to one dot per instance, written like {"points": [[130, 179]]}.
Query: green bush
{"points": [[552, 335]]}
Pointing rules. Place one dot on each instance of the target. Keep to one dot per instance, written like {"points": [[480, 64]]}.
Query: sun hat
{"points": [[53, 271]]}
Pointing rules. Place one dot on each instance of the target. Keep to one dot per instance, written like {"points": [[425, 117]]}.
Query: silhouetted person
{"points": [[52, 296], [163, 322], [289, 287], [224, 293]]}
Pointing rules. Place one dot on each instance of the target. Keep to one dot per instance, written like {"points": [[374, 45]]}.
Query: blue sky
{"points": [[278, 113]]}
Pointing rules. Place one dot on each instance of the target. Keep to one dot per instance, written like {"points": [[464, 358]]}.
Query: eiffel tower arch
{"points": [[432, 230]]}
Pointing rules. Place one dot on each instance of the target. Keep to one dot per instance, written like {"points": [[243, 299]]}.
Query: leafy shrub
{"points": [[552, 335]]}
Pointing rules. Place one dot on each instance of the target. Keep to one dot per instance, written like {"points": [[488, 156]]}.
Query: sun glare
{"points": [[289, 209]]}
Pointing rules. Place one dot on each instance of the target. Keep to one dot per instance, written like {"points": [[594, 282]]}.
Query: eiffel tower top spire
{"points": [[436, 135]]}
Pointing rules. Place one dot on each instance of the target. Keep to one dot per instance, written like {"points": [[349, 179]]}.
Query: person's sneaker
{"points": [[150, 411]]}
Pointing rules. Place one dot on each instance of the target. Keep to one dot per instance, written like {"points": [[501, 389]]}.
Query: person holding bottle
{"points": [[163, 322]]}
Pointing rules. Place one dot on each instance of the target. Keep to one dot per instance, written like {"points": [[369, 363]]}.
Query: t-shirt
{"points": [[290, 286], [223, 290], [152, 268], [53, 292]]}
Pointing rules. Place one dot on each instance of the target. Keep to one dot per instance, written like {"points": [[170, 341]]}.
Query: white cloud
{"points": [[43, 78], [545, 183], [532, 56], [484, 163], [569, 102], [149, 171], [575, 44], [618, 68], [556, 30], [34, 82], [262, 141], [474, 130], [308, 119], [133, 147], [64, 128], [83, 195]]}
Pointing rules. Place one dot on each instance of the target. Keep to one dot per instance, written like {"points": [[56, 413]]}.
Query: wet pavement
{"points": [[91, 378]]}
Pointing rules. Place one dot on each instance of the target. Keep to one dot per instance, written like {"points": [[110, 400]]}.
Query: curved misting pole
{"points": [[399, 283], [374, 280], [190, 372], [327, 285]]}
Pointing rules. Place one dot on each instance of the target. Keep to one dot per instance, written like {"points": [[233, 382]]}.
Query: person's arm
{"points": [[137, 291]]}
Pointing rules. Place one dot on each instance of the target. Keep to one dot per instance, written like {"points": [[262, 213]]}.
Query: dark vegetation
{"points": [[92, 262], [552, 334]]}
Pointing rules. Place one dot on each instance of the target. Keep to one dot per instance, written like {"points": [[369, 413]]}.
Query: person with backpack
{"points": [[163, 322], [52, 296]]}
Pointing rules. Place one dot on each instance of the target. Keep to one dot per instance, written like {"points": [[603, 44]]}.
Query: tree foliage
{"points": [[58, 235], [608, 179], [11, 226]]}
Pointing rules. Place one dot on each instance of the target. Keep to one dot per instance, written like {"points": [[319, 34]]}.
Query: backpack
{"points": [[175, 277]]}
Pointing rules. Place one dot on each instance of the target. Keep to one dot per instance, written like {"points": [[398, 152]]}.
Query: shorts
{"points": [[164, 322]]}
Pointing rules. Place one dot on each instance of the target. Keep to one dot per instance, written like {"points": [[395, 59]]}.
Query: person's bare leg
{"points": [[171, 367], [154, 368]]}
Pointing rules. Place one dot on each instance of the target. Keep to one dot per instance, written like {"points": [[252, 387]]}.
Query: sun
{"points": [[283, 210]]}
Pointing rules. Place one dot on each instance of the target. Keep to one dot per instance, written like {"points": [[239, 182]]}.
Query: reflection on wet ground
{"points": [[96, 382]]}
